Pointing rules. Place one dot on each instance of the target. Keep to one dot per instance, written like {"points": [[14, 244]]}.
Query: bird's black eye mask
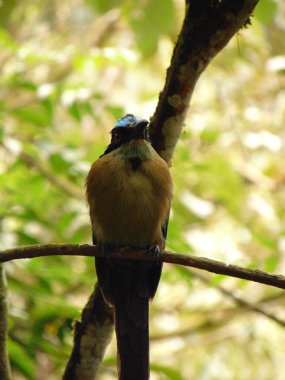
{"points": [[128, 128], [119, 136], [122, 135]]}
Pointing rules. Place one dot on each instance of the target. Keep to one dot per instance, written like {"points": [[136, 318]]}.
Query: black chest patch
{"points": [[135, 162]]}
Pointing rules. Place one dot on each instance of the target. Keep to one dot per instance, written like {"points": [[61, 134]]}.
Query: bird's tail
{"points": [[131, 305], [131, 322], [128, 285]]}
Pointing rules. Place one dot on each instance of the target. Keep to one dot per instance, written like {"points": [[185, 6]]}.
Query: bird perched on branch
{"points": [[129, 191]]}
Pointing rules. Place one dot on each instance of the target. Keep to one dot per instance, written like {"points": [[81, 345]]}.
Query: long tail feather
{"points": [[132, 339], [128, 285]]}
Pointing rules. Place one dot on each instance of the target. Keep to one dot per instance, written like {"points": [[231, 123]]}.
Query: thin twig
{"points": [[209, 265], [240, 301], [61, 182]]}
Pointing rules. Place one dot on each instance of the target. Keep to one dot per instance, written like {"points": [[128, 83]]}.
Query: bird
{"points": [[129, 192]]}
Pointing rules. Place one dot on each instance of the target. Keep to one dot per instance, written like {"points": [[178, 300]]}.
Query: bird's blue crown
{"points": [[127, 121]]}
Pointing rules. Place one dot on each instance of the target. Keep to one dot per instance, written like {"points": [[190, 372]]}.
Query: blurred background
{"points": [[68, 70]]}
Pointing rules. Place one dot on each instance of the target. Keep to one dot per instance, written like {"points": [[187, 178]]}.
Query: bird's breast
{"points": [[129, 199]]}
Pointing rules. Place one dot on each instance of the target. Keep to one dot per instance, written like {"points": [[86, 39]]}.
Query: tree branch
{"points": [[60, 182], [203, 263], [91, 337], [238, 300], [5, 371], [208, 27]]}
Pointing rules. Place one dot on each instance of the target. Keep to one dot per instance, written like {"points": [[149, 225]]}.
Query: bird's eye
{"points": [[116, 137]]}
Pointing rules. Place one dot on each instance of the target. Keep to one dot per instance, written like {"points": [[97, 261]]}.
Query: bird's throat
{"points": [[135, 162], [136, 152]]}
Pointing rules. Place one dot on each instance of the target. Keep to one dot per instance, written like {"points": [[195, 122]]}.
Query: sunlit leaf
{"points": [[34, 114], [20, 359], [169, 373], [271, 263], [265, 11], [149, 22], [103, 6]]}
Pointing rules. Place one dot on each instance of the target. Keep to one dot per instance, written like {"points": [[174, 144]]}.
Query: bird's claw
{"points": [[155, 252], [106, 250]]}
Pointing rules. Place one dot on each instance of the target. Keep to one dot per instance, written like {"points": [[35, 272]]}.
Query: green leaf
{"points": [[58, 163], [103, 6], [20, 359], [115, 111], [210, 135], [48, 104], [226, 189], [265, 11], [26, 239], [45, 312], [6, 39], [271, 263], [169, 373], [184, 274], [35, 114], [155, 18], [17, 82], [1, 133], [265, 241], [216, 279], [74, 111]]}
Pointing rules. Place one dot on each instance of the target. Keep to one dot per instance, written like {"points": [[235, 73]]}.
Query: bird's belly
{"points": [[131, 211]]}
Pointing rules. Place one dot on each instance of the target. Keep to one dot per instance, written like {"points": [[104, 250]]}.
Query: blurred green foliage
{"points": [[69, 69]]}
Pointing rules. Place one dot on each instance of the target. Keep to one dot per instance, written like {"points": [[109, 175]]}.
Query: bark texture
{"points": [[207, 28], [91, 337], [5, 371], [203, 263]]}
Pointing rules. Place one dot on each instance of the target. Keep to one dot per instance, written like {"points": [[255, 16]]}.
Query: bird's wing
{"points": [[165, 229], [94, 239]]}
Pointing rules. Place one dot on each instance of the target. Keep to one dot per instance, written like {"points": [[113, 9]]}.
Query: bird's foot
{"points": [[107, 249], [103, 270], [155, 252]]}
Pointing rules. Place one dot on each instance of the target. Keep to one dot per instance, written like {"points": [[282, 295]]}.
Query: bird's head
{"points": [[127, 131]]}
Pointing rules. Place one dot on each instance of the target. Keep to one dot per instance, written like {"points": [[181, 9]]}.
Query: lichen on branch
{"points": [[207, 28]]}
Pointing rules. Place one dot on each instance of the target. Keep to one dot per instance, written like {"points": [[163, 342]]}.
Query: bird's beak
{"points": [[139, 130]]}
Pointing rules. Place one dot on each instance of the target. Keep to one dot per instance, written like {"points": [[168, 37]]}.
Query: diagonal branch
{"points": [[203, 263], [60, 182], [91, 337], [208, 27]]}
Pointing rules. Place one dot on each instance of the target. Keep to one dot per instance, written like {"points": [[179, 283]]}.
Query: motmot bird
{"points": [[129, 192]]}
